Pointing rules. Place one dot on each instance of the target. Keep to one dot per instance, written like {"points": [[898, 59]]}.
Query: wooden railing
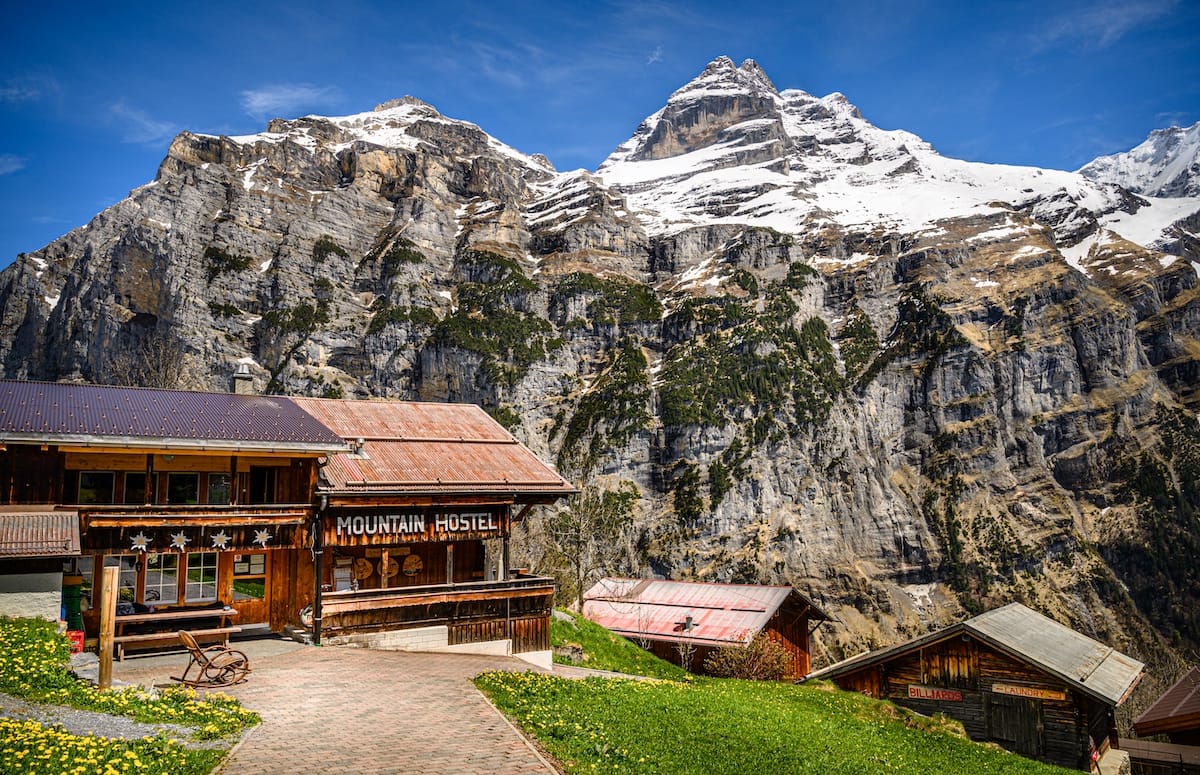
{"points": [[518, 609]]}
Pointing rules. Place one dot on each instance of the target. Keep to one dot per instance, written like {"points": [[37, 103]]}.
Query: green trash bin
{"points": [[72, 588]]}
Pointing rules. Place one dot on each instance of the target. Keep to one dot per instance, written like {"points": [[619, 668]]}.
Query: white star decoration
{"points": [[261, 537], [220, 540], [179, 541], [141, 542]]}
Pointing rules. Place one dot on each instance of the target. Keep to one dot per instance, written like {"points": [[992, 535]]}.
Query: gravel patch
{"points": [[89, 722]]}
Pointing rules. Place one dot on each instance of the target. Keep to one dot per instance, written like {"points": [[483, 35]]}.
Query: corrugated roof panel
{"points": [[427, 447], [39, 533], [71, 413], [1074, 656], [654, 608], [400, 420]]}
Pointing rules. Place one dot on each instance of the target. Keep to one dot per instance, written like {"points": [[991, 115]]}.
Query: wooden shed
{"points": [[685, 621], [1012, 676]]}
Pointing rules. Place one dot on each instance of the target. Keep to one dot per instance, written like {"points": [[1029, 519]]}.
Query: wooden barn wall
{"points": [[791, 631], [972, 669]]}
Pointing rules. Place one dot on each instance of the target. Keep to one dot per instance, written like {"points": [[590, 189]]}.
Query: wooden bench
{"points": [[171, 622]]}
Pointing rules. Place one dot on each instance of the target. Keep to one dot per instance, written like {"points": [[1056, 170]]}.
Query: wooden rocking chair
{"points": [[215, 665]]}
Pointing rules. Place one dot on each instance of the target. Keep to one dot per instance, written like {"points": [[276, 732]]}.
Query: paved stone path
{"points": [[341, 710]]}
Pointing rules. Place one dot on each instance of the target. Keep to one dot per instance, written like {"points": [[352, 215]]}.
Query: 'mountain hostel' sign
{"points": [[412, 527]]}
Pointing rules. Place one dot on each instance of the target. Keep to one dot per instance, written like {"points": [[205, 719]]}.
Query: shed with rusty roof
{"points": [[1011, 676], [685, 621]]}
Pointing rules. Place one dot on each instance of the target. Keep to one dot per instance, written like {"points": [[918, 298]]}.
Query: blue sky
{"points": [[92, 93]]}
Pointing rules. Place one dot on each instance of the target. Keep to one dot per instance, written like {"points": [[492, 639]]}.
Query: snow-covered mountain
{"points": [[729, 148], [1167, 164], [822, 352]]}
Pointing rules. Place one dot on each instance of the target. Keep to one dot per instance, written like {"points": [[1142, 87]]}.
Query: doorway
{"points": [[251, 592]]}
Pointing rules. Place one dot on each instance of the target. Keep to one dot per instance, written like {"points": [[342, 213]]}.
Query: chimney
{"points": [[243, 381]]}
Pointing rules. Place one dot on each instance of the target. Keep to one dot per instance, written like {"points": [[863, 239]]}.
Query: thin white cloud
{"points": [[655, 55], [1100, 25], [27, 88], [10, 163], [138, 126], [287, 99]]}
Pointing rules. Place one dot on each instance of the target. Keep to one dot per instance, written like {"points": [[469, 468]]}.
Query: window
{"points": [[201, 577], [183, 488], [218, 488], [95, 487], [161, 584], [135, 488], [127, 580], [249, 576], [262, 485]]}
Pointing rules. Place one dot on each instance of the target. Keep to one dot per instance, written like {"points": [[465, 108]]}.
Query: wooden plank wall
{"points": [[972, 668]]}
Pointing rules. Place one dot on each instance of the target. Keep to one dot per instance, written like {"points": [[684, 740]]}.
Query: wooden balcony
{"points": [[517, 609]]}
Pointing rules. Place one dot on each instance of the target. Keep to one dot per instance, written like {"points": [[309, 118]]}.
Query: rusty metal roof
{"points": [[1086, 664], [414, 447], [1178, 709], [99, 415], [721, 614], [38, 533]]}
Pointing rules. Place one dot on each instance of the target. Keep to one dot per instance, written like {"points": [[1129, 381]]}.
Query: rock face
{"points": [[823, 353]]}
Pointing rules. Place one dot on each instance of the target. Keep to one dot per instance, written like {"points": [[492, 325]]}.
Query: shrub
{"points": [[762, 659], [325, 247], [218, 262]]}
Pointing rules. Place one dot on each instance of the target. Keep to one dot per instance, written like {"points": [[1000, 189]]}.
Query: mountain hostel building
{"points": [[685, 621], [415, 518], [1011, 676], [226, 510]]}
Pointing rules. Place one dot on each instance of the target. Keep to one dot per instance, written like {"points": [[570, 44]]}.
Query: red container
{"points": [[76, 638]]}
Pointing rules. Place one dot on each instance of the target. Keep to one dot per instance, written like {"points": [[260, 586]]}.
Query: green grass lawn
{"points": [[603, 650], [710, 726]]}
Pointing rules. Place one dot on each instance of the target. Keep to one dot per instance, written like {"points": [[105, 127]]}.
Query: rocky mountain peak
{"points": [[708, 111], [1166, 164]]}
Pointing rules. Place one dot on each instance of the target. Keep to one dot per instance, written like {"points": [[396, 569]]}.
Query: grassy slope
{"points": [[714, 726], [706, 726], [603, 650]]}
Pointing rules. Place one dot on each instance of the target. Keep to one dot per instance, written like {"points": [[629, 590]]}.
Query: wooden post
{"points": [[108, 612], [383, 570]]}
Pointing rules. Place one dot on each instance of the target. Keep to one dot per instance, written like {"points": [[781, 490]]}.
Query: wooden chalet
{"points": [[203, 500], [415, 520], [1011, 676], [684, 621]]}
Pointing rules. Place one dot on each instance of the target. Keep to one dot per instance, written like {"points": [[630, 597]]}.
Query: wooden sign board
{"points": [[917, 692], [420, 525], [1029, 691]]}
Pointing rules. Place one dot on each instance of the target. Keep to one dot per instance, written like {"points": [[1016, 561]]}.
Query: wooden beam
{"points": [[378, 603], [108, 617]]}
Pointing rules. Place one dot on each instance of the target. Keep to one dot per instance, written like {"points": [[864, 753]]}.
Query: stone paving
{"points": [[347, 710]]}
